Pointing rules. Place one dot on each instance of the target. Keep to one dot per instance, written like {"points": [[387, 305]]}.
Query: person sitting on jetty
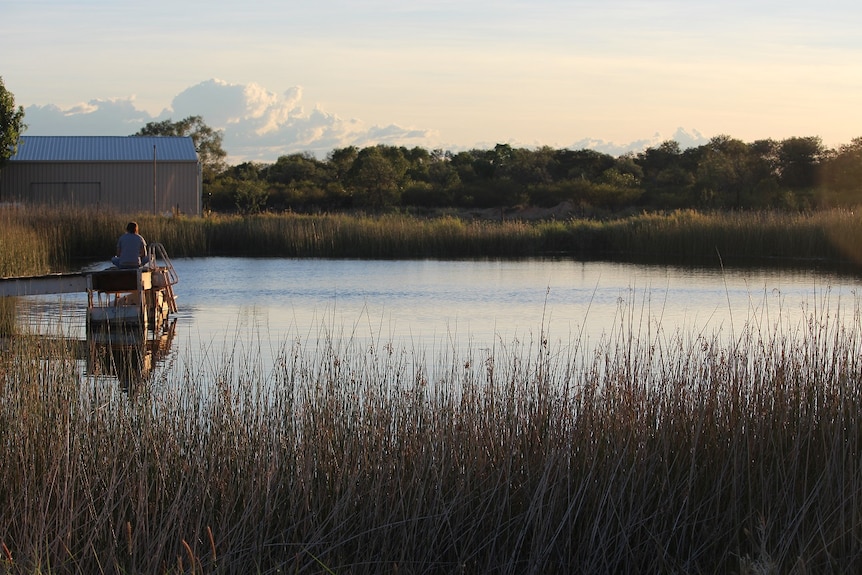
{"points": [[131, 249]]}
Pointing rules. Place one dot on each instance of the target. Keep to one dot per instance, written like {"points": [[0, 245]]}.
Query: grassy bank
{"points": [[681, 453], [36, 241]]}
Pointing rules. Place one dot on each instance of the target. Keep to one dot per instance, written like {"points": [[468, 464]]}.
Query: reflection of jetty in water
{"points": [[130, 355], [128, 313]]}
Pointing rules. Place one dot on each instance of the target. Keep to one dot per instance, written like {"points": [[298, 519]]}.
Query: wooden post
{"points": [[154, 179]]}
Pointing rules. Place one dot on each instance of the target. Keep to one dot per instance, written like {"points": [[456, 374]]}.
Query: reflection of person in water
{"points": [[131, 249]]}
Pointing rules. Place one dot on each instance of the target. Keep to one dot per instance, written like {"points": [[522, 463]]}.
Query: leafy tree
{"points": [[442, 173], [626, 165], [398, 158], [375, 177], [208, 142], [798, 160], [666, 155], [295, 168], [717, 179], [483, 164], [433, 179], [250, 196], [764, 171], [245, 171], [842, 171], [464, 166], [581, 164], [501, 156], [302, 182], [340, 161], [764, 154], [419, 162], [528, 167], [11, 124], [723, 173], [667, 173]]}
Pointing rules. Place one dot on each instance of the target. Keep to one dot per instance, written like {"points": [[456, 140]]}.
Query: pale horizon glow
{"points": [[284, 77]]}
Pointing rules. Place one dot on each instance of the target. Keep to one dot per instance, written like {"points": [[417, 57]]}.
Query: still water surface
{"points": [[430, 304], [485, 300]]}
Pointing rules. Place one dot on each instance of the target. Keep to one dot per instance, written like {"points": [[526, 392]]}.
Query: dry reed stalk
{"points": [[651, 452]]}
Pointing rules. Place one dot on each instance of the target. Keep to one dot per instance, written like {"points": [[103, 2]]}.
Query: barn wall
{"points": [[120, 186]]}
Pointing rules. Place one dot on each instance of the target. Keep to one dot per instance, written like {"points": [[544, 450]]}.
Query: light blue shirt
{"points": [[130, 249]]}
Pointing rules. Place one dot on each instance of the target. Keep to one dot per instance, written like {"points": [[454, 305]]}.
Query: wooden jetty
{"points": [[134, 299]]}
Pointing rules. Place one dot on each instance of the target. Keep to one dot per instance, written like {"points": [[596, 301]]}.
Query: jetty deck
{"points": [[44, 284], [116, 297]]}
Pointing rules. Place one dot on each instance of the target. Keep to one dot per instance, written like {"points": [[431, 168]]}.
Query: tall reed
{"points": [[64, 239], [831, 235], [72, 236], [650, 452], [23, 250]]}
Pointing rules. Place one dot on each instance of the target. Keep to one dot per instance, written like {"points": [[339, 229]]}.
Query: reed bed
{"points": [[649, 452], [386, 236], [44, 239], [23, 250], [691, 236]]}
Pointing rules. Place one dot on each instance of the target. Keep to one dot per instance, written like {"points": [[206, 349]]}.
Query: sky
{"points": [[280, 77]]}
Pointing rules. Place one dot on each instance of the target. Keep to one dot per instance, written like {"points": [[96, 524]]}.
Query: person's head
{"points": [[132, 227]]}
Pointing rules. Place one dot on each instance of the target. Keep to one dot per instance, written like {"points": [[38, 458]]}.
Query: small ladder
{"points": [[157, 252]]}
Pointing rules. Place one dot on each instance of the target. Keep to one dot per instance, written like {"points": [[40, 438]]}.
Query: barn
{"points": [[128, 174]]}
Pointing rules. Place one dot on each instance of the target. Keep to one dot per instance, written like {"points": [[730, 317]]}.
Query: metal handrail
{"points": [[157, 251]]}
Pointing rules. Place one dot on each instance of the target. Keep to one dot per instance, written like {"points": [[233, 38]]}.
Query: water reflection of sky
{"points": [[486, 301], [431, 304]]}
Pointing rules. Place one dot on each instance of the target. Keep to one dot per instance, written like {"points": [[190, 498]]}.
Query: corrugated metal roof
{"points": [[104, 149]]}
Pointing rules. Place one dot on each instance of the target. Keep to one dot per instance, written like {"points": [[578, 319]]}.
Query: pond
{"points": [[433, 307]]}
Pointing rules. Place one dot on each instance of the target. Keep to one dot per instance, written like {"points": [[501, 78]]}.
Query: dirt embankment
{"points": [[562, 211]]}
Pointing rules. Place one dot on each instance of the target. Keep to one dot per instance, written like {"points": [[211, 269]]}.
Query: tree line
{"points": [[725, 173]]}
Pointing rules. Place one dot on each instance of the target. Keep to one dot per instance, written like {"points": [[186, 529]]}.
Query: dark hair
{"points": [[132, 227]]}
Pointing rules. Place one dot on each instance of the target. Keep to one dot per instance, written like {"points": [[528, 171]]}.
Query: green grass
{"points": [[674, 452]]}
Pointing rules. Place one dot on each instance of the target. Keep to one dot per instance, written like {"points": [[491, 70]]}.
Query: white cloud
{"points": [[114, 117], [684, 137], [258, 125], [261, 125]]}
